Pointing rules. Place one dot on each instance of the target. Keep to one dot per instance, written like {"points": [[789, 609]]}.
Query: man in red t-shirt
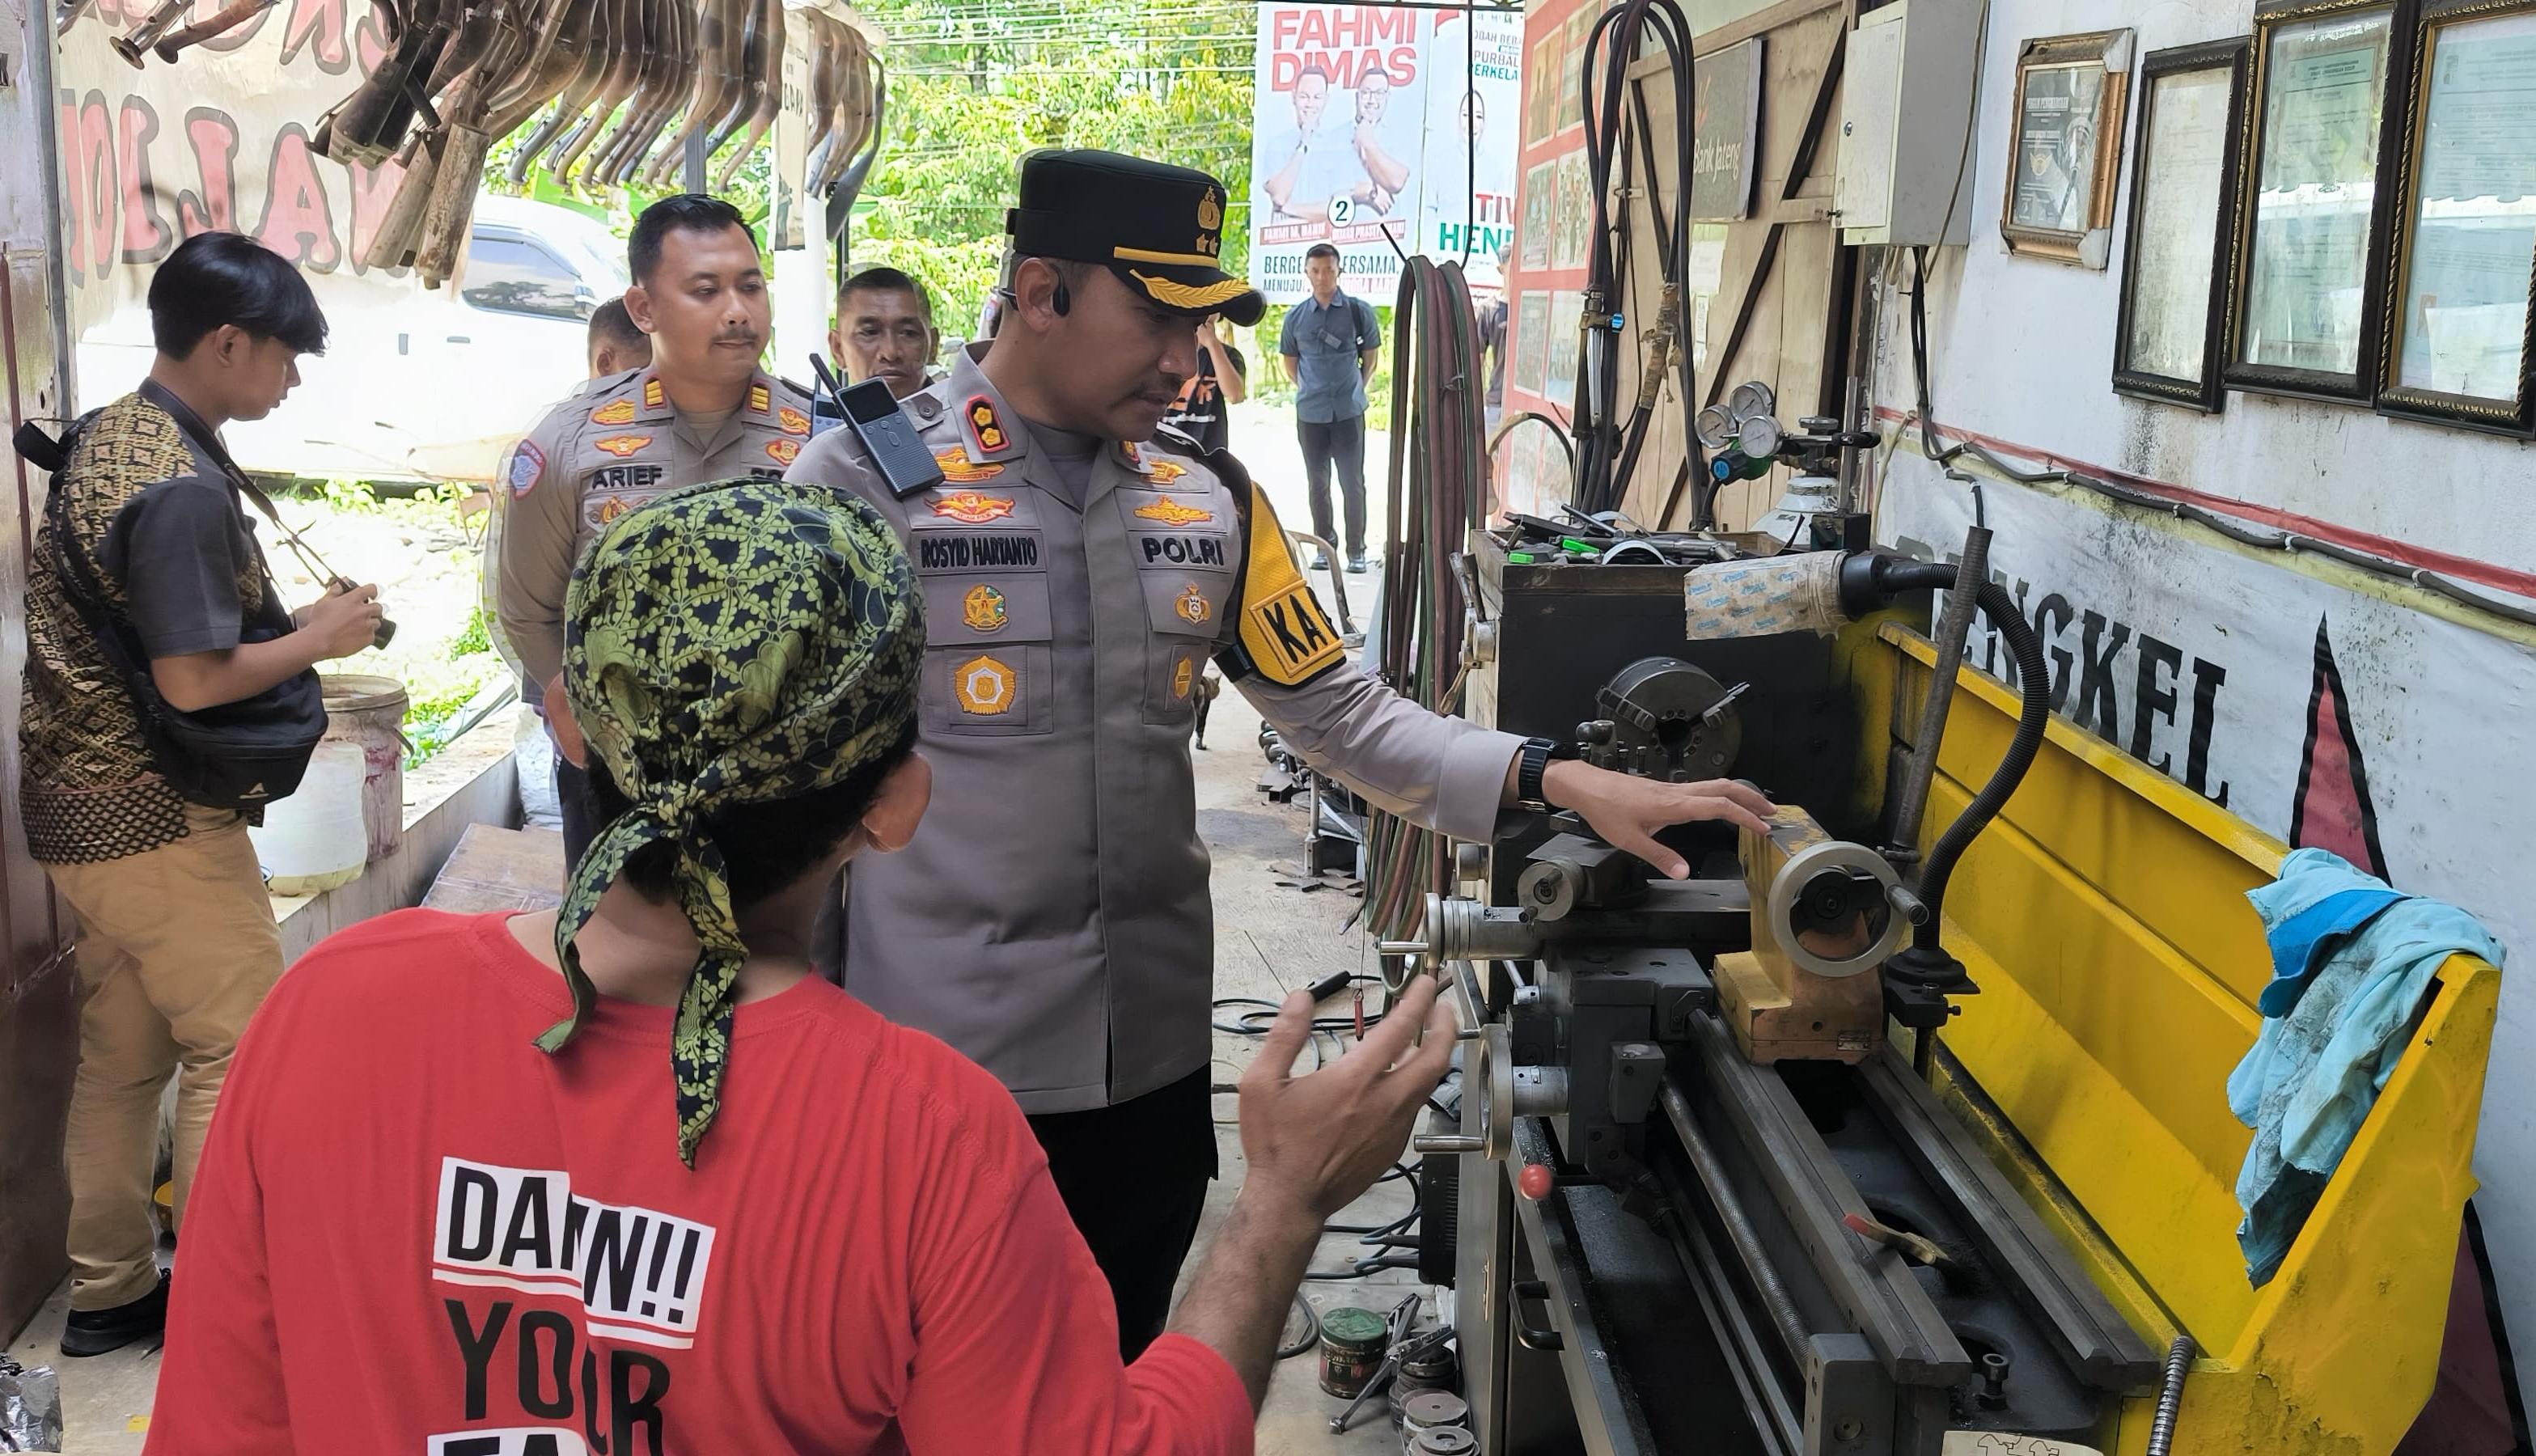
{"points": [[454, 1202]]}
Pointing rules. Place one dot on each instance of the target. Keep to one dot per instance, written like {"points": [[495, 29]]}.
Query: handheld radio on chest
{"points": [[889, 436]]}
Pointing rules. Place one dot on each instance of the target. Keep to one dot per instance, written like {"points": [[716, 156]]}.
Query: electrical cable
{"points": [[1311, 1330]]}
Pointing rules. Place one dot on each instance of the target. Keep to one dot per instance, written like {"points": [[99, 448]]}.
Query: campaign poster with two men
{"points": [[1384, 131]]}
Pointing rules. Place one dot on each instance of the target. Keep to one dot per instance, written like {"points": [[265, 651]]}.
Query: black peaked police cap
{"points": [[1159, 228]]}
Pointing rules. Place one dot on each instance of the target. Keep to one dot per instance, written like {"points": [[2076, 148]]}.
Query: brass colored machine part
{"points": [[1821, 925]]}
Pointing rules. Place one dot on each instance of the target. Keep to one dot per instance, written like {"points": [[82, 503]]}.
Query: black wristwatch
{"points": [[1537, 756]]}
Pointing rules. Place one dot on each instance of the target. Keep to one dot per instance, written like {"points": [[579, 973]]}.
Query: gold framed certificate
{"points": [[2067, 147]]}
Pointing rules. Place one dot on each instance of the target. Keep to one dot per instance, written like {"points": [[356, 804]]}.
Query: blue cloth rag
{"points": [[2351, 961]]}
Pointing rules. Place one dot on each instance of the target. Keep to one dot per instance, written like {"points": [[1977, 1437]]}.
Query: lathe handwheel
{"points": [[1832, 856]]}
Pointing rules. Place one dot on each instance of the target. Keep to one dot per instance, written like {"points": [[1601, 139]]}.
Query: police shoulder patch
{"points": [[617, 411], [1285, 635], [527, 466]]}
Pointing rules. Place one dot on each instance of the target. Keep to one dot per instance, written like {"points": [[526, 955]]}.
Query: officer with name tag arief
{"points": [[1080, 570]]}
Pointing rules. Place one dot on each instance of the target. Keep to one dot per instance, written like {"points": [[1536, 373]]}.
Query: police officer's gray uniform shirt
{"points": [[1050, 917], [618, 444]]}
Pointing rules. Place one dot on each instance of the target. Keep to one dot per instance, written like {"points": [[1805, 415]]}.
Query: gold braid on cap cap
{"points": [[1192, 295]]}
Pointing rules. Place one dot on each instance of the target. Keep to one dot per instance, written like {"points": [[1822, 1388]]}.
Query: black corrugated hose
{"points": [[2034, 678]]}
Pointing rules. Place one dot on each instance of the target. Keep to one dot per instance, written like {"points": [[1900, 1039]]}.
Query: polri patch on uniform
{"points": [[528, 465], [1164, 472], [985, 687], [959, 470], [654, 393], [986, 425], [972, 508], [620, 411], [1184, 674], [621, 446], [760, 398], [1182, 548], [792, 421], [784, 450], [1173, 513]]}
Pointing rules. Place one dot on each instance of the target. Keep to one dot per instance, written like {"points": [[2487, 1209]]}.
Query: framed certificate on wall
{"points": [[2465, 222], [2068, 147], [2184, 187], [2305, 306]]}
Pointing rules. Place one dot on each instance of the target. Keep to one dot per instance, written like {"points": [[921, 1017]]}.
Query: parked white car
{"points": [[415, 384]]}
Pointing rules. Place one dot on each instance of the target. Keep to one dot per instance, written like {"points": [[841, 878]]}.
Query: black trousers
{"points": [[1339, 442], [1134, 1177], [572, 792]]}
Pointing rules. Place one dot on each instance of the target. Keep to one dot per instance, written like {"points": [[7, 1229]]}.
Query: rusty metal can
{"points": [[1352, 1345]]}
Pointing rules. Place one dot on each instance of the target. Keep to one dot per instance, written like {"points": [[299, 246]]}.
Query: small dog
{"points": [[1207, 687]]}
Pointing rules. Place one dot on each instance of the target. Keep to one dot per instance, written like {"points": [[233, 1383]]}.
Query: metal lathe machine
{"points": [[1900, 1129]]}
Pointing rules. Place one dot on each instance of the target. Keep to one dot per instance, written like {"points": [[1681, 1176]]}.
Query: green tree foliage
{"points": [[974, 84]]}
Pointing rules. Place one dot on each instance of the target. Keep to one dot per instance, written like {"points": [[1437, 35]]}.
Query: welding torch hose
{"points": [[1436, 494]]}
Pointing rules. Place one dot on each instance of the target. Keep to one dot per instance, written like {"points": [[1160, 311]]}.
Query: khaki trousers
{"points": [[177, 947]]}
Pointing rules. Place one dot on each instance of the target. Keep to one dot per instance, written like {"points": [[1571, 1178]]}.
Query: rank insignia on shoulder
{"points": [[784, 450], [654, 393], [986, 425], [982, 608], [528, 465], [972, 508], [760, 398], [1173, 513], [957, 469], [792, 421], [983, 685], [621, 446], [620, 411], [1192, 606]]}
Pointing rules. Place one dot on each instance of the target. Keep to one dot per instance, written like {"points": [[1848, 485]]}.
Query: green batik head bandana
{"points": [[740, 642]]}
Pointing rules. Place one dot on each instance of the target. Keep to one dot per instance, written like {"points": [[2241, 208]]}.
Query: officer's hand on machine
{"points": [[1626, 810]]}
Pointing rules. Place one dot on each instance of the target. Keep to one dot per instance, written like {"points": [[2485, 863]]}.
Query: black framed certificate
{"points": [[2305, 313], [2067, 148], [2458, 340], [2183, 180]]}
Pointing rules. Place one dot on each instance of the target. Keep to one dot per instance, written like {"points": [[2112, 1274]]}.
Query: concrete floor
{"points": [[1269, 940]]}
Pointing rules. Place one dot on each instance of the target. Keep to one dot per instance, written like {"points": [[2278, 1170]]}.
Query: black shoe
{"points": [[1356, 564], [96, 1331], [1321, 561]]}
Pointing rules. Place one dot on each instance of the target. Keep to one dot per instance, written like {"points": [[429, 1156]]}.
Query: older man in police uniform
{"points": [[701, 410], [1051, 919]]}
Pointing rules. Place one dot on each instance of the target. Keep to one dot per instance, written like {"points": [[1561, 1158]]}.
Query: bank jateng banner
{"points": [[1382, 131], [2325, 717]]}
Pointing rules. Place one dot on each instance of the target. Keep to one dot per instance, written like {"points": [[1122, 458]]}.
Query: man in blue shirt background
{"points": [[1331, 344]]}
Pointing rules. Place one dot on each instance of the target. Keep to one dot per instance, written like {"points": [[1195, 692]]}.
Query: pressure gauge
{"points": [[1714, 426], [1761, 436], [1752, 398]]}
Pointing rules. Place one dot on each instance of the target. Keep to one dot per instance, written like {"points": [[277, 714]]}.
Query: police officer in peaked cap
{"points": [[1080, 570]]}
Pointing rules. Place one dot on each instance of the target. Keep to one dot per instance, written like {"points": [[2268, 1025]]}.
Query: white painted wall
{"points": [[2022, 350]]}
